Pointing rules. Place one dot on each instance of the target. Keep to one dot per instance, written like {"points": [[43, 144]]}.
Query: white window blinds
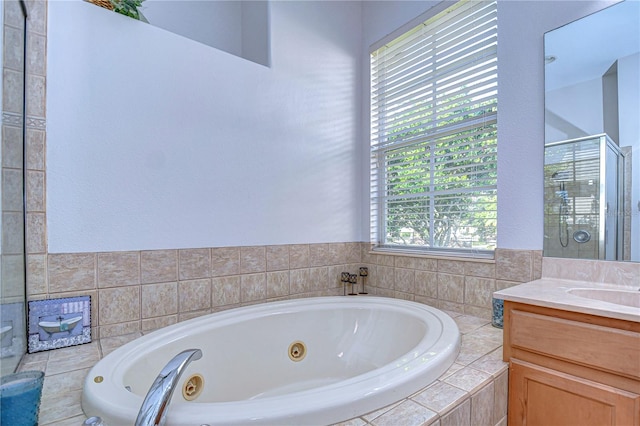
{"points": [[434, 133]]}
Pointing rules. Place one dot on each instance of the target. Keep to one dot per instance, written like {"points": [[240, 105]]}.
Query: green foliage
{"points": [[439, 191], [128, 7]]}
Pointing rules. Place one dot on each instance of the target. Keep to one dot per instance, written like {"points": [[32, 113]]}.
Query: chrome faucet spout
{"points": [[154, 408]]}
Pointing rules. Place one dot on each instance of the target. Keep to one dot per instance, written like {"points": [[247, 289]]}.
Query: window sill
{"points": [[464, 257]]}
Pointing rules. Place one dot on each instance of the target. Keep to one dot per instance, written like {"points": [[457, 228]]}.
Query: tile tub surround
{"points": [[473, 391], [139, 291]]}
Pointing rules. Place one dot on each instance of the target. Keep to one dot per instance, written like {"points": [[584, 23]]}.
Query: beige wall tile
{"points": [[68, 272], [119, 329], [194, 295], [353, 253], [451, 287], [468, 379], [37, 18], [253, 259], [500, 398], [336, 253], [299, 256], [277, 258], [513, 265], [479, 291], [408, 413], [501, 285], [194, 263], [35, 191], [36, 233], [36, 54], [427, 300], [12, 100], [405, 280], [386, 260], [13, 14], [440, 397], [117, 269], [451, 266], [12, 276], [478, 311], [185, 316], [277, 284], [253, 287], [159, 299], [427, 284], [12, 233], [385, 276], [119, 305], [427, 264], [482, 406], [12, 190], [451, 306], [36, 274], [225, 291], [299, 281], [318, 255], [158, 266], [536, 273], [150, 324], [225, 261], [12, 146], [13, 48], [35, 142], [35, 95], [460, 416], [480, 269], [319, 278]]}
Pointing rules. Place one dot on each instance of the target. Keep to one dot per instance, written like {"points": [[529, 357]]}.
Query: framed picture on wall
{"points": [[58, 323]]}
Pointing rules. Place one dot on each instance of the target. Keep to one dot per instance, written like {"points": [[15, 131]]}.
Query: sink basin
{"points": [[618, 297]]}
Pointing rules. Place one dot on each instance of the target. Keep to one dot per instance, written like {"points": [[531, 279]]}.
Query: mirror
{"points": [[592, 136]]}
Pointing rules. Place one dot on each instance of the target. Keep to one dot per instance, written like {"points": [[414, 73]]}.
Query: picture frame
{"points": [[59, 323]]}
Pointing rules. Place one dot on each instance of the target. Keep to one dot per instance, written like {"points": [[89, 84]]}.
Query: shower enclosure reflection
{"points": [[584, 188]]}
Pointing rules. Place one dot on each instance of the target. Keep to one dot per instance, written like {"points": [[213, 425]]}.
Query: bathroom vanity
{"points": [[574, 359]]}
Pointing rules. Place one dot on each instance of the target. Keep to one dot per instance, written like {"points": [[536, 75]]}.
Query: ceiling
{"points": [[586, 48]]}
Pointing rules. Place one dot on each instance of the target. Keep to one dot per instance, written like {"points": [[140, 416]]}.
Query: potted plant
{"points": [[129, 8]]}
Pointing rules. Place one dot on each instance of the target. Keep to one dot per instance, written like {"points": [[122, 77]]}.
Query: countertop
{"points": [[553, 293]]}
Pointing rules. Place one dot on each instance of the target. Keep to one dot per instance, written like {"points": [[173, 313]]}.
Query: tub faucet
{"points": [[154, 408]]}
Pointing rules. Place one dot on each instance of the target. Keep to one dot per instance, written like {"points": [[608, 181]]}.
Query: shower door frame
{"points": [[604, 142]]}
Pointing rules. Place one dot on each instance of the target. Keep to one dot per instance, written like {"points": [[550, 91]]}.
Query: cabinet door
{"points": [[540, 396]]}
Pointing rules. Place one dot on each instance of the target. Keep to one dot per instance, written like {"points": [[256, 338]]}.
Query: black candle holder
{"points": [[353, 279], [364, 273], [344, 279]]}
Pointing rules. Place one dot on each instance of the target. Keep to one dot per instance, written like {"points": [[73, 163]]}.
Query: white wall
{"points": [[215, 23], [579, 106], [521, 25], [155, 141]]}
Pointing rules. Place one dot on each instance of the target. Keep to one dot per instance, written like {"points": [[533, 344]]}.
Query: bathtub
{"points": [[305, 361], [59, 326]]}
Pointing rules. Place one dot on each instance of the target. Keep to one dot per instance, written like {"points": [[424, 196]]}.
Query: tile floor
{"points": [[472, 392]]}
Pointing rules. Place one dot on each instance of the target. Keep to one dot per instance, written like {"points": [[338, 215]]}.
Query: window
{"points": [[434, 134]]}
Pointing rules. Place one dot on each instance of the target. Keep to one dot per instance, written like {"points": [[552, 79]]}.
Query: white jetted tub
{"points": [[304, 361]]}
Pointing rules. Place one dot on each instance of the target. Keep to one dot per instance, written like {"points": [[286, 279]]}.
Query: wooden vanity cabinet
{"points": [[568, 368]]}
